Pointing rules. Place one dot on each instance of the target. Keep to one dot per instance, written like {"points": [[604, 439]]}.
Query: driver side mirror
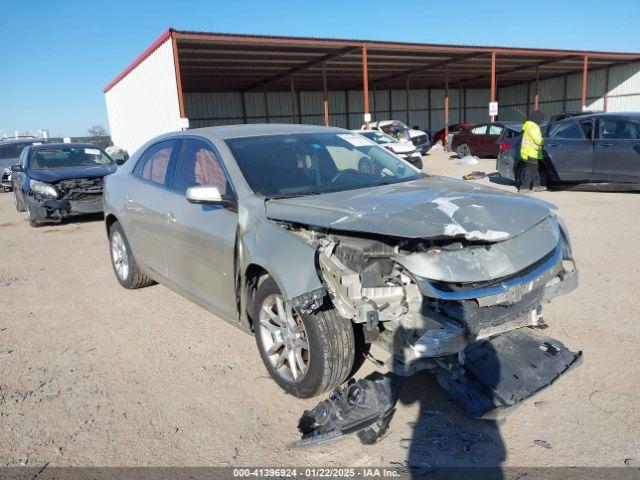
{"points": [[416, 127], [207, 195], [120, 161], [16, 168]]}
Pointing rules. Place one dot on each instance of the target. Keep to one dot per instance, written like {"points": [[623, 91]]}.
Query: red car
{"points": [[481, 140], [456, 127]]}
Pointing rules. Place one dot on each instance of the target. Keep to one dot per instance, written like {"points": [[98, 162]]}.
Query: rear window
{"points": [[61, 157]]}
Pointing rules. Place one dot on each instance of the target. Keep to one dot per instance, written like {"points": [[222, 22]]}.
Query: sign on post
{"points": [[493, 109]]}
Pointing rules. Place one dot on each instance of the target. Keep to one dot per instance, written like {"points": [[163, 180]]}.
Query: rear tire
{"points": [[329, 340], [124, 264], [32, 221], [463, 150]]}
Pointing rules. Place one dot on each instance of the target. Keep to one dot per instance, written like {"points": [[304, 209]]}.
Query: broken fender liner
{"points": [[365, 406], [504, 370]]}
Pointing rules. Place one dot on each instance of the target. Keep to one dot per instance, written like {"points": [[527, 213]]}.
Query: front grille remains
{"points": [[81, 189]]}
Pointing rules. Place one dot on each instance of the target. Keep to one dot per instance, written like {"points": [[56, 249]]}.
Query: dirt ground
{"points": [[95, 375]]}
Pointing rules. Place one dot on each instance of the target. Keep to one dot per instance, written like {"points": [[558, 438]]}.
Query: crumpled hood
{"points": [[430, 207], [56, 174]]}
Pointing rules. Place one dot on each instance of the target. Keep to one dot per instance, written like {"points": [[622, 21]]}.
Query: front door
{"points": [[201, 238], [617, 151], [492, 140], [146, 206]]}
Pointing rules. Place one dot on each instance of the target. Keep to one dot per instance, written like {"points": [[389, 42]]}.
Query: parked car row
{"points": [[10, 150]]}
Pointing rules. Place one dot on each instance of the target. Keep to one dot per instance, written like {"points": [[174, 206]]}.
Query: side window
{"points": [[495, 129], [618, 130], [587, 128], [569, 130], [155, 162], [199, 165], [479, 130]]}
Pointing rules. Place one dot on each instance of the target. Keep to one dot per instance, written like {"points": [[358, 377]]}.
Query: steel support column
{"points": [[266, 103], [325, 95], [446, 104], [244, 107], [493, 81], [564, 98], [429, 107], [464, 105], [585, 71], [459, 103], [293, 101], [605, 96], [528, 100], [365, 84], [346, 106], [536, 98], [407, 103]]}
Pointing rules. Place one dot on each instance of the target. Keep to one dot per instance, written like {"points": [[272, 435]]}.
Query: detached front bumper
{"points": [[54, 209]]}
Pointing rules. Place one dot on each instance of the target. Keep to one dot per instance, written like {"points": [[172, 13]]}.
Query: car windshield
{"points": [[60, 157], [378, 137], [312, 163]]}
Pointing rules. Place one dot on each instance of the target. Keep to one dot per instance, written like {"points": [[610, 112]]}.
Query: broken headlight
{"points": [[43, 188]]}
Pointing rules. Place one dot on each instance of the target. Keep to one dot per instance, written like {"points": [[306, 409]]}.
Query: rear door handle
{"points": [[552, 145], [605, 145], [170, 217]]}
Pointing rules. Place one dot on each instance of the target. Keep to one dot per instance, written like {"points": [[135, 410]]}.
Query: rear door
{"points": [[201, 238], [491, 140], [617, 150], [568, 151], [146, 205], [474, 137]]}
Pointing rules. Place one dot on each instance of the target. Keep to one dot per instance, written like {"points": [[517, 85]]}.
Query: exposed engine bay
{"points": [[423, 299]]}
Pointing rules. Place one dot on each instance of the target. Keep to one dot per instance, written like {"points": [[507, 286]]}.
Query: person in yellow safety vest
{"points": [[531, 153]]}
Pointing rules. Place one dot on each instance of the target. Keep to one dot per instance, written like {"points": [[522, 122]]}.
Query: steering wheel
{"points": [[344, 173]]}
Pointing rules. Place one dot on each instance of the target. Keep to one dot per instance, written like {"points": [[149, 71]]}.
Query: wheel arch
{"points": [[109, 220]]}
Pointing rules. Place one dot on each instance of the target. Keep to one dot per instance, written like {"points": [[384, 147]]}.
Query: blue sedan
{"points": [[56, 180]]}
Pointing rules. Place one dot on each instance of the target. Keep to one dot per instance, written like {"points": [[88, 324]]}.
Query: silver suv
{"points": [[321, 242]]}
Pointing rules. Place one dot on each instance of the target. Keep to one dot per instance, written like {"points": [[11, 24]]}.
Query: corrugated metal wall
{"points": [[623, 93], [223, 108], [145, 102]]}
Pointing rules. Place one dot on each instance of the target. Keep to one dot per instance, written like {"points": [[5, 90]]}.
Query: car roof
{"points": [[260, 129], [63, 145], [632, 115]]}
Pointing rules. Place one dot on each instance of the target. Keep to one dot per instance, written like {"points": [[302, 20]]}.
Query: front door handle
{"points": [[552, 145], [605, 145], [170, 217]]}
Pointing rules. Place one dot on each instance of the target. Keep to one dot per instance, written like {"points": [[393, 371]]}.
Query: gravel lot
{"points": [[95, 375]]}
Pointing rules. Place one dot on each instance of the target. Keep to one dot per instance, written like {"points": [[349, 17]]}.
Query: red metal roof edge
{"points": [[152, 48]]}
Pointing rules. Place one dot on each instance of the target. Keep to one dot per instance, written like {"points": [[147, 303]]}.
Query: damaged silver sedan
{"points": [[322, 243]]}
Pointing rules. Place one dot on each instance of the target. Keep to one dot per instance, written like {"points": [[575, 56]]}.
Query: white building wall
{"points": [[144, 103]]}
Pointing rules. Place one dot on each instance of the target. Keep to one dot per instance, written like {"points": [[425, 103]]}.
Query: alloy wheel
{"points": [[464, 150], [119, 256], [284, 339]]}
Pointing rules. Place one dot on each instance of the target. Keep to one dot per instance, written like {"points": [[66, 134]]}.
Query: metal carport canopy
{"points": [[232, 62]]}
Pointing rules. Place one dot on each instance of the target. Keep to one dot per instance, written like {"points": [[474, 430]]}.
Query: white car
{"points": [[397, 129], [403, 148]]}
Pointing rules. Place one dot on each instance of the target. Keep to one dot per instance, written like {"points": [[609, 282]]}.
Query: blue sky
{"points": [[57, 57]]}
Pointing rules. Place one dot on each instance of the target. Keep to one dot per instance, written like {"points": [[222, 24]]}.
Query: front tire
{"points": [[124, 264], [306, 354]]}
